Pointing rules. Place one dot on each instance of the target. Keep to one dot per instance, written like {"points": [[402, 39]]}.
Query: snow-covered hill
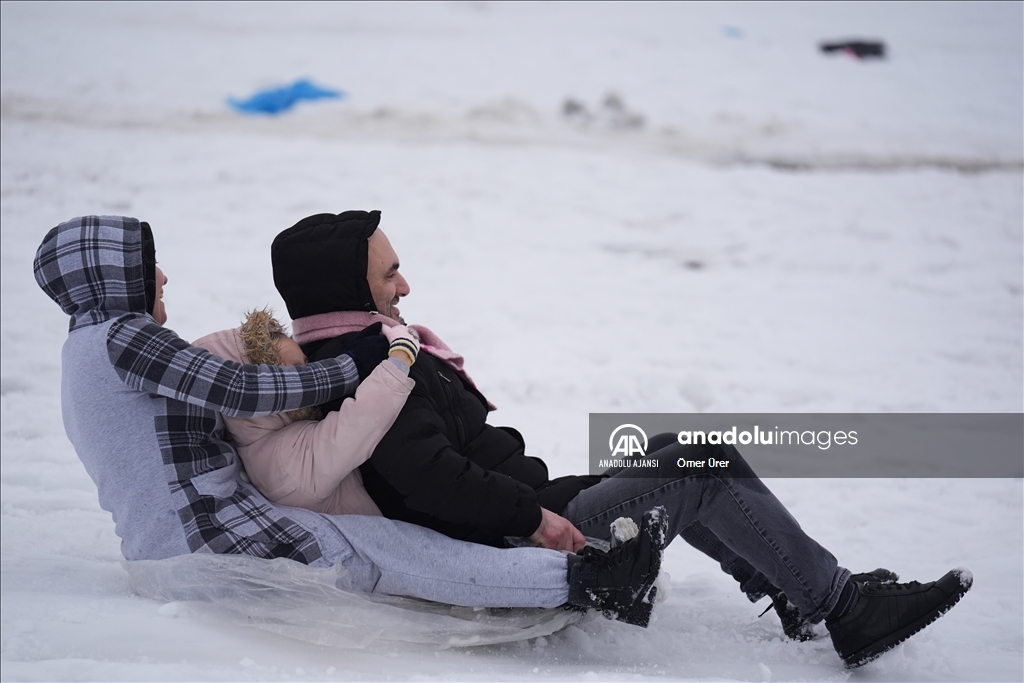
{"points": [[784, 232]]}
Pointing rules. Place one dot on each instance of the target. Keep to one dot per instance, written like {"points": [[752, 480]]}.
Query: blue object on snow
{"points": [[276, 100]]}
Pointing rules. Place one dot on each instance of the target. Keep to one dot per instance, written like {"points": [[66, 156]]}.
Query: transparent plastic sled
{"points": [[316, 606]]}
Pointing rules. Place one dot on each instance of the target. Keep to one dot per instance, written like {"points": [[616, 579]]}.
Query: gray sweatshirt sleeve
{"points": [[151, 358]]}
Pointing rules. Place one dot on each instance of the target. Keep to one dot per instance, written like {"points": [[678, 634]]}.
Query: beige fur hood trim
{"points": [[259, 334]]}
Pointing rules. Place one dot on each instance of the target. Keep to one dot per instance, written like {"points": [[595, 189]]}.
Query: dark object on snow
{"points": [[886, 614], [573, 109], [276, 100], [612, 113], [620, 582], [794, 625], [862, 49]]}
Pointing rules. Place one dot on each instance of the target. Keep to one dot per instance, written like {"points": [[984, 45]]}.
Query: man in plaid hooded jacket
{"points": [[143, 410]]}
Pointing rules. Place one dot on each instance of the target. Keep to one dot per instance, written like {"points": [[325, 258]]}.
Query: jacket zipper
{"points": [[447, 384]]}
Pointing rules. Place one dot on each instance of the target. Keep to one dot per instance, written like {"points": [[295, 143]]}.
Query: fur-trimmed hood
{"points": [[255, 342], [258, 336]]}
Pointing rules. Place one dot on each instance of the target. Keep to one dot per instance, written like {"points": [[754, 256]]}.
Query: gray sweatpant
{"points": [[397, 558]]}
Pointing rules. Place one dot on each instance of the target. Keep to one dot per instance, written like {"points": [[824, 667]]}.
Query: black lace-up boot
{"points": [[886, 614], [620, 582], [793, 625], [796, 627]]}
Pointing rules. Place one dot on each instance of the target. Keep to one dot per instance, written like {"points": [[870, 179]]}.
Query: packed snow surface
{"points": [[606, 208]]}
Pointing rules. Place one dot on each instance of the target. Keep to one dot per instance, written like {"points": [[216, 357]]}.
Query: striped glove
{"points": [[403, 341]]}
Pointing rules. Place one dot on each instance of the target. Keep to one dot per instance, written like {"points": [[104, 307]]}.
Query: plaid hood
{"points": [[92, 267]]}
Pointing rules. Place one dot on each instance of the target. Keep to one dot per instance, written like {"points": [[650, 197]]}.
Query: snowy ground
{"points": [[786, 232]]}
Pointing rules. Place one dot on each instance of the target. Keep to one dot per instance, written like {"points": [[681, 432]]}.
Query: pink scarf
{"points": [[326, 325]]}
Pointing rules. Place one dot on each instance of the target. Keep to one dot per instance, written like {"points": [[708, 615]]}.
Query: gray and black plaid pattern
{"points": [[237, 523], [151, 358], [92, 267], [196, 385]]}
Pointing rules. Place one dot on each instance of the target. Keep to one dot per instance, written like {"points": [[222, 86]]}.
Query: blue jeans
{"points": [[730, 516]]}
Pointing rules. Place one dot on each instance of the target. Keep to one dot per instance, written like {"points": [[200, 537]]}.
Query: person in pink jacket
{"points": [[297, 459]]}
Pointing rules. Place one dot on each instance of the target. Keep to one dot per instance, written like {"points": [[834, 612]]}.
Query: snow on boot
{"points": [[623, 529], [620, 582], [879, 575], [886, 614]]}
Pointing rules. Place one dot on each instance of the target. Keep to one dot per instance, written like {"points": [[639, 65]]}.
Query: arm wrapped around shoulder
{"points": [[308, 460]]}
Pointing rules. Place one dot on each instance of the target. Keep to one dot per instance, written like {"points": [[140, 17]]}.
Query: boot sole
{"points": [[883, 645]]}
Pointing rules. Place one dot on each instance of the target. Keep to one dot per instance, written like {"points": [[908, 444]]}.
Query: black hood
{"points": [[320, 263]]}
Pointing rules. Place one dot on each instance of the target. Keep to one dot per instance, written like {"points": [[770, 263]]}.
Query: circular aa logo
{"points": [[628, 443]]}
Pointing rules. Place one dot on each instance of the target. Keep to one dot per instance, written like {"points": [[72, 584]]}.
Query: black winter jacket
{"points": [[443, 467]]}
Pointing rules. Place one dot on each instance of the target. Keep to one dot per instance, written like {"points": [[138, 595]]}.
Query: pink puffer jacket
{"points": [[310, 464]]}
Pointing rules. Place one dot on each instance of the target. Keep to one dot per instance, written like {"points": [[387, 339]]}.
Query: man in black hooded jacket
{"points": [[442, 466]]}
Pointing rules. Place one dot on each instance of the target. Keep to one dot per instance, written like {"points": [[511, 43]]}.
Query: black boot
{"points": [[793, 625], [620, 582], [796, 627], [886, 614]]}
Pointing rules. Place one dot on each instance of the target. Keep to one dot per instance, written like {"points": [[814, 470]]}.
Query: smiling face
{"points": [[159, 312], [387, 285]]}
